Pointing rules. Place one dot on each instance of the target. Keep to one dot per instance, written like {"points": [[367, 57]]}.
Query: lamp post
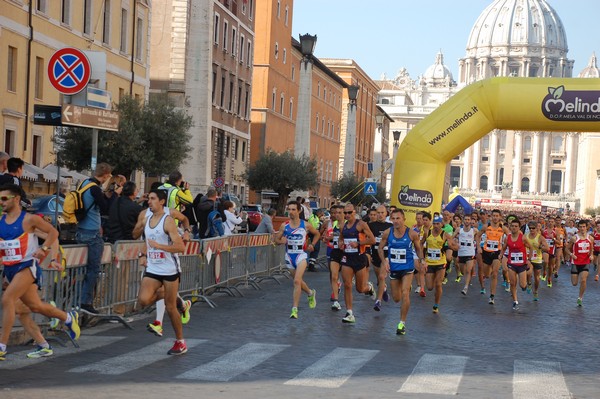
{"points": [[396, 134], [378, 146], [350, 143], [302, 133]]}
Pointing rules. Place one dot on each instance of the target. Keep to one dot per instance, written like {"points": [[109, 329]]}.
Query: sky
{"points": [[383, 36]]}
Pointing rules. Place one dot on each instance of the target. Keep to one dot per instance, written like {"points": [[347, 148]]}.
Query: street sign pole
{"points": [[94, 148]]}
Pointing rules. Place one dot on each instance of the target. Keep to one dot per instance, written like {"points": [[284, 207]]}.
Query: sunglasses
{"points": [[6, 198], [348, 212]]}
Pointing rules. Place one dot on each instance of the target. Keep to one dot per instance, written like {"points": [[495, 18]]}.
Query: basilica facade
{"points": [[520, 38]]}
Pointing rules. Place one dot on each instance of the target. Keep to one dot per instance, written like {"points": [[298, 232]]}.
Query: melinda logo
{"points": [[415, 198], [563, 105]]}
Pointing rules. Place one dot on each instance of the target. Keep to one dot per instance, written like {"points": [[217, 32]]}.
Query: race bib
{"points": [[517, 258], [156, 256], [550, 242], [434, 254], [295, 247], [465, 243], [11, 250], [535, 256], [347, 248], [597, 243], [336, 241], [397, 255], [493, 245]]}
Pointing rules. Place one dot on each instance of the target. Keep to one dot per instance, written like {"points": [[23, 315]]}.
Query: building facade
{"points": [[202, 57], [32, 31]]}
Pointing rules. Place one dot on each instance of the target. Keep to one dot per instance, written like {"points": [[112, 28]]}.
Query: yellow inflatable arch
{"points": [[543, 104]]}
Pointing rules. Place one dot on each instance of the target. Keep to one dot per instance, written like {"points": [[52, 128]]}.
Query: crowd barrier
{"points": [[207, 266]]}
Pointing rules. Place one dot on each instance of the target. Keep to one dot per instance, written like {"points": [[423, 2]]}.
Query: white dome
{"points": [[438, 74], [591, 70], [532, 24]]}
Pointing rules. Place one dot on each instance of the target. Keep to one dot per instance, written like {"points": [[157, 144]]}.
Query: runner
{"points": [[163, 243], [378, 228], [466, 250], [560, 244], [490, 253], [538, 246], [435, 258], [596, 236], [418, 227], [293, 234], [21, 256], [581, 252], [448, 227], [400, 262], [354, 236], [334, 253], [550, 258], [456, 225], [518, 262]]}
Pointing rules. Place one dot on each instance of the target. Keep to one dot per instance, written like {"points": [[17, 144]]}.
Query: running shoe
{"points": [[579, 302], [445, 280], [349, 318], [555, 275], [543, 278], [179, 348], [507, 289], [377, 306], [54, 321], [504, 284], [40, 352], [491, 301], [372, 291], [73, 326], [549, 284], [312, 299], [294, 314], [417, 290], [529, 288], [386, 296], [2, 355], [185, 312], [401, 329], [515, 305], [422, 293], [596, 278], [155, 328], [482, 291], [464, 291], [436, 309], [458, 278], [336, 306], [535, 297]]}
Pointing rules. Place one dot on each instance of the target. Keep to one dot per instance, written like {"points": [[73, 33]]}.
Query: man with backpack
{"points": [[178, 192], [210, 220], [89, 231]]}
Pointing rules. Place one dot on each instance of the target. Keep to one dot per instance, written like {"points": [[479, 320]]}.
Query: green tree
{"points": [[152, 137], [351, 188], [282, 173]]}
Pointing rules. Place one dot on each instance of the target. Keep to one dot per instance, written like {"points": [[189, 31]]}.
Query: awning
{"points": [[64, 172], [32, 172]]}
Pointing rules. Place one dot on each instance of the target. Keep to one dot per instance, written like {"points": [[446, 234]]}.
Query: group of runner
{"points": [[525, 250]]}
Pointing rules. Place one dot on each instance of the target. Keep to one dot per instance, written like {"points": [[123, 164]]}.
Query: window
{"points": [[87, 17], [502, 141], [121, 93], [227, 144], [278, 9], [526, 160], [293, 72], [319, 89], [214, 84], [325, 93], [276, 50], [284, 56], [525, 185], [230, 104], [39, 78], [233, 42], [281, 102], [557, 143], [291, 108], [36, 157], [123, 46], [106, 23], [513, 71], [323, 126], [483, 183], [485, 143], [65, 15], [216, 28], [317, 123], [249, 54], [250, 9], [533, 71], [9, 141], [11, 78], [243, 151], [484, 159], [222, 98], [242, 49], [225, 29], [556, 161], [139, 39], [555, 181], [237, 147], [273, 98], [527, 144], [246, 100], [239, 97], [287, 14], [41, 6]]}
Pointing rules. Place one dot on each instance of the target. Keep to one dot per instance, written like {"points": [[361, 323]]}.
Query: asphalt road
{"points": [[249, 348]]}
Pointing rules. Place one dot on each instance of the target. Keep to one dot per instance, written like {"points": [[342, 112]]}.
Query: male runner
{"points": [[538, 246], [334, 253], [435, 259], [550, 258], [581, 252], [517, 259], [466, 250], [378, 228], [490, 253]]}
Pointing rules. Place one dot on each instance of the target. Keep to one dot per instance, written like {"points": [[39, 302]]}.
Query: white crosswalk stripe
{"points": [[234, 363], [19, 359], [436, 374], [334, 369], [538, 380], [134, 360]]}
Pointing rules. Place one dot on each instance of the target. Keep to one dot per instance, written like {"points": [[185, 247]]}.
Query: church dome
{"points": [[527, 26], [438, 74], [591, 70]]}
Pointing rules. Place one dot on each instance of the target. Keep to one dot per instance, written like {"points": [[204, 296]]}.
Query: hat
{"points": [[563, 222], [438, 219]]}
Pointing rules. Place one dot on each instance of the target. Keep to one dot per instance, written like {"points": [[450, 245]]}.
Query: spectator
{"points": [[89, 232], [115, 187], [231, 219], [178, 192], [207, 204], [123, 214], [266, 224], [3, 159], [13, 176]]}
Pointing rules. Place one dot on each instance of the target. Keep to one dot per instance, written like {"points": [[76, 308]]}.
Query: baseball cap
{"points": [[438, 219]]}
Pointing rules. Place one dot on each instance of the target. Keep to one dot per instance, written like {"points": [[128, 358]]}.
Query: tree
{"points": [[349, 188], [152, 137], [282, 173]]}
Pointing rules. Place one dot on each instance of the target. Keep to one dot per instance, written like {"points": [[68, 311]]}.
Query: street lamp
{"points": [[396, 134], [379, 118], [307, 47], [352, 93]]}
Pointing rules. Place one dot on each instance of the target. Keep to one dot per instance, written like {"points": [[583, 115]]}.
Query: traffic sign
{"points": [[69, 70], [370, 188], [48, 115], [219, 182], [95, 118], [98, 98]]}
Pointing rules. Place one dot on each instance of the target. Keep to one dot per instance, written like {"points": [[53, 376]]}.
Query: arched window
{"points": [[483, 183], [527, 144], [557, 143], [525, 185], [485, 143]]}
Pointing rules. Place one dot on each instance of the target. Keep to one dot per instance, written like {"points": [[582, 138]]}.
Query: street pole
{"points": [[94, 149], [57, 184]]}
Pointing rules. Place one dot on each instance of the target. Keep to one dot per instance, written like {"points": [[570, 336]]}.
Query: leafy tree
{"points": [[349, 188], [282, 173], [152, 137]]}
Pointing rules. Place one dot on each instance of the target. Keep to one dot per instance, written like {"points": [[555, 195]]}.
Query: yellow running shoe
{"points": [[312, 299]]}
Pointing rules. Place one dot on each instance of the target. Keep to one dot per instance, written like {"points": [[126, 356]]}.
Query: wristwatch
{"points": [[45, 248], [141, 254]]}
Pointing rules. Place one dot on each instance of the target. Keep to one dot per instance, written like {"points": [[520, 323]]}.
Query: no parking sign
{"points": [[69, 70]]}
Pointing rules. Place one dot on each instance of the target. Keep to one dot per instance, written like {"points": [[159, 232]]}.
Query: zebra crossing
{"points": [[435, 374]]}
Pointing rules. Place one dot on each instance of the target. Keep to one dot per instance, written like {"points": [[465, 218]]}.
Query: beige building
{"points": [[202, 56], [31, 32]]}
